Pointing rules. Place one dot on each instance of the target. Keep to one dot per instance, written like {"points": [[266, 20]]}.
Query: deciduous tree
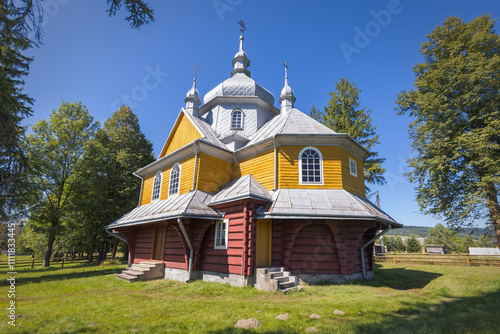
{"points": [[412, 245], [455, 106], [344, 114]]}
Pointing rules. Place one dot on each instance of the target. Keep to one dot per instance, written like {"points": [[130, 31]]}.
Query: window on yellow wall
{"points": [[175, 177], [353, 167], [156, 187], [310, 166], [237, 119]]}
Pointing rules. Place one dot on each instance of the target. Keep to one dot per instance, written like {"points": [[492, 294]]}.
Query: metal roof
{"points": [[322, 204], [192, 204], [244, 187], [293, 122], [206, 131]]}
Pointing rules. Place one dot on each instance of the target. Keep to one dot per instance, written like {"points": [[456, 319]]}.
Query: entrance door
{"points": [[159, 242], [264, 241]]}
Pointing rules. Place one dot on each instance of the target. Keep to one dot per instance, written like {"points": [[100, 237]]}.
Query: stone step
{"points": [[286, 285], [275, 274], [274, 269], [126, 277], [143, 267], [135, 272], [152, 263]]}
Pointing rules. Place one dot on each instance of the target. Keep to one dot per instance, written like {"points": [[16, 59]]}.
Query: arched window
{"points": [[156, 187], [310, 166], [237, 119], [175, 177]]}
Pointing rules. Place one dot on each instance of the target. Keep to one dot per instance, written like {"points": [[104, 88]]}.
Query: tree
{"points": [[440, 235], [17, 20], [466, 243], [412, 245], [55, 149], [344, 114], [316, 114], [485, 241], [110, 190], [14, 104], [455, 104], [394, 243]]}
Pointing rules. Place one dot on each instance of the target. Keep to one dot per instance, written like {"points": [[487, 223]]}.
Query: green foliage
{"points": [[55, 149], [14, 106], [465, 243], [440, 235], [139, 11], [316, 114], [485, 241], [412, 245], [394, 243], [345, 115], [456, 122]]}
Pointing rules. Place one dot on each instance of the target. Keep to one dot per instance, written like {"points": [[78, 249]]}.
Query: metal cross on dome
{"points": [[286, 69], [242, 24], [196, 71]]}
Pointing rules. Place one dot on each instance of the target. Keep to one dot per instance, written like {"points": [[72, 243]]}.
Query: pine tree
{"points": [[344, 114], [412, 245], [456, 123], [316, 114]]}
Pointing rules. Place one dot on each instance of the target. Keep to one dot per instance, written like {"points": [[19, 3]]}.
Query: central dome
{"points": [[239, 85]]}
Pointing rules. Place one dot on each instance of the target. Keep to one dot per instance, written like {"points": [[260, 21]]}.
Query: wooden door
{"points": [[263, 244], [159, 242]]}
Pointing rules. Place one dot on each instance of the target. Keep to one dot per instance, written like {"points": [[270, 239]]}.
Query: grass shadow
{"points": [[50, 274], [399, 278], [477, 314]]}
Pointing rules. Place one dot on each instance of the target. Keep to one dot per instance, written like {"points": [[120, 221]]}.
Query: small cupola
{"points": [[241, 61], [193, 97], [286, 98]]}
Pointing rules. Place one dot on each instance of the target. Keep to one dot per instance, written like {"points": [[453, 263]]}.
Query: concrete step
{"points": [[126, 277], [141, 266], [282, 279], [133, 271], [275, 269], [275, 274], [286, 285]]}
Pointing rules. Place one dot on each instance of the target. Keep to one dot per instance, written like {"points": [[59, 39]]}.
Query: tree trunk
{"points": [[113, 253], [494, 208], [50, 244], [102, 247]]}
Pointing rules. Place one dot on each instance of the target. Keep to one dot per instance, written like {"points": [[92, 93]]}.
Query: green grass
{"points": [[401, 299]]}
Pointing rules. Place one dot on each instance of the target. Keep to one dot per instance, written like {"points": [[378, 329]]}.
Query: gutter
{"points": [[368, 243], [179, 221]]}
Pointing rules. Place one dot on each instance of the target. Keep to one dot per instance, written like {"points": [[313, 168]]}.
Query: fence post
{"points": [[394, 255], [468, 260], [62, 263], [33, 264]]}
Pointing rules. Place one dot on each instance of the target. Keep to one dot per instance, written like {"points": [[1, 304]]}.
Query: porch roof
{"points": [[322, 204], [190, 205]]}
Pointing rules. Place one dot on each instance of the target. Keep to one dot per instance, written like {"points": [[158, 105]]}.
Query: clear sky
{"points": [[104, 63]]}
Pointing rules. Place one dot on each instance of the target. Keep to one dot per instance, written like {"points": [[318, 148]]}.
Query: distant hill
{"points": [[423, 231]]}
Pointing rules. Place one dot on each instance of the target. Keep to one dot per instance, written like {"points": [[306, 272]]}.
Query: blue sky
{"points": [[104, 63]]}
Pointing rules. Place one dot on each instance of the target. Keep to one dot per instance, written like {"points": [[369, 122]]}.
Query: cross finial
{"points": [[196, 71], [242, 24], [286, 69]]}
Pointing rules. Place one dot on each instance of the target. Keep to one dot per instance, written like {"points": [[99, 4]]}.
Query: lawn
{"points": [[400, 299]]}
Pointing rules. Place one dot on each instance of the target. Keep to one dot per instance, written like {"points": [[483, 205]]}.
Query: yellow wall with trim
{"points": [[186, 181], [213, 173], [182, 134], [335, 169], [260, 166]]}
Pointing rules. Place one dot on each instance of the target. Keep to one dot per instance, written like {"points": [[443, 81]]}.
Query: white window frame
{"points": [[353, 163], [320, 166], [170, 194], [217, 239], [160, 175], [242, 119]]}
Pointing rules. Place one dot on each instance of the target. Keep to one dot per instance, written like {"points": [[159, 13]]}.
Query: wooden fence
{"points": [[32, 263], [446, 259]]}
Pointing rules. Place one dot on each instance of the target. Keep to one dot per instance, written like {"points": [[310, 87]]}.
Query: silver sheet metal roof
{"points": [[193, 204], [244, 187], [293, 122], [207, 132], [322, 204]]}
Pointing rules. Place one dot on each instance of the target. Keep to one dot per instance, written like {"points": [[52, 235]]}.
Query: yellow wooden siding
{"points": [[288, 167], [186, 182], [182, 134], [354, 184], [147, 189], [260, 166], [212, 173]]}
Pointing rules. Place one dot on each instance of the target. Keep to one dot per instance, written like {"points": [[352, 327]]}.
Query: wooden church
{"points": [[248, 194]]}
